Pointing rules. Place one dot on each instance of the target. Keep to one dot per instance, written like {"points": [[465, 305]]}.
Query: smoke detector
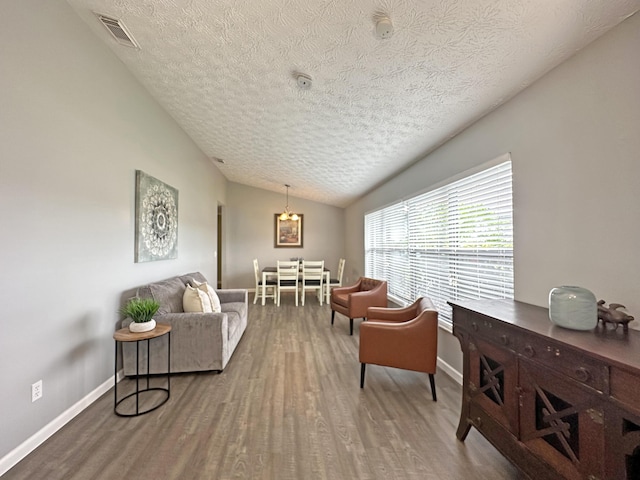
{"points": [[384, 28], [304, 81]]}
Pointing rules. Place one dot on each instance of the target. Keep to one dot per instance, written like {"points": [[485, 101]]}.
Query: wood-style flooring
{"points": [[287, 406]]}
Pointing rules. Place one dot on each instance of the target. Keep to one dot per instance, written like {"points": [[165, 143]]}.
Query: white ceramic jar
{"points": [[573, 307]]}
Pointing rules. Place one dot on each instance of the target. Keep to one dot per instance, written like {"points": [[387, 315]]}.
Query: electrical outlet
{"points": [[36, 391]]}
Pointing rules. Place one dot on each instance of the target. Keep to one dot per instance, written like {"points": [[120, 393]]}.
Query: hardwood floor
{"points": [[287, 406]]}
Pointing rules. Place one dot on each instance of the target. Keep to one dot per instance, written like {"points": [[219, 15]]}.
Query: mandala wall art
{"points": [[156, 219]]}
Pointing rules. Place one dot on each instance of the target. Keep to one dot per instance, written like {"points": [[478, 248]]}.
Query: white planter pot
{"points": [[142, 327]]}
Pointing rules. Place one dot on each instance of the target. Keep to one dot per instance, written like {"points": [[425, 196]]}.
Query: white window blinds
{"points": [[451, 243]]}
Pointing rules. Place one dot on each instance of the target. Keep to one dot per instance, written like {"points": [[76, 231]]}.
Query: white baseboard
{"points": [[449, 370], [13, 457]]}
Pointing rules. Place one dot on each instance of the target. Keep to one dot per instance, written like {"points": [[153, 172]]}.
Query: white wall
{"points": [[250, 232], [74, 127], [574, 140]]}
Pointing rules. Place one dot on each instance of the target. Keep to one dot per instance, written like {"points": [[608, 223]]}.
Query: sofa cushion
{"points": [[210, 292], [196, 300], [168, 293]]}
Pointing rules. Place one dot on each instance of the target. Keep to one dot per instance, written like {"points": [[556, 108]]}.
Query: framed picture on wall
{"points": [[156, 219], [288, 233]]}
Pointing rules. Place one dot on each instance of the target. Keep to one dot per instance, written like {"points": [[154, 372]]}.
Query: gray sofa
{"points": [[199, 341]]}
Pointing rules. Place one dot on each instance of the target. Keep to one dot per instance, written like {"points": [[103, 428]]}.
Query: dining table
{"points": [[273, 272]]}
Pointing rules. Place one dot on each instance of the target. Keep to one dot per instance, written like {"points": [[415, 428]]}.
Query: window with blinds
{"points": [[451, 243]]}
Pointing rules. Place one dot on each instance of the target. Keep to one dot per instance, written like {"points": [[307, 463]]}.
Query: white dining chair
{"points": [[312, 276], [287, 278], [270, 285], [335, 281]]}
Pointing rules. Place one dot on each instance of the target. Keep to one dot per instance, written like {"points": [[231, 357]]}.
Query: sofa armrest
{"points": [[391, 314], [231, 295], [401, 314]]}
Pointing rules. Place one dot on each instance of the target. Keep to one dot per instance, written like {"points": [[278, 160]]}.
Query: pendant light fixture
{"points": [[288, 214]]}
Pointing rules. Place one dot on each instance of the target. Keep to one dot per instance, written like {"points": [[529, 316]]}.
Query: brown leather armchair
{"points": [[353, 301], [404, 338]]}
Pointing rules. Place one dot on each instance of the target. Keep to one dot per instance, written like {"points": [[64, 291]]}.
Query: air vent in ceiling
{"points": [[118, 31]]}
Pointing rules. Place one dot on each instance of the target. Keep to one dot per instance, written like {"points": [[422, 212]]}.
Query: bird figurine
{"points": [[612, 315]]}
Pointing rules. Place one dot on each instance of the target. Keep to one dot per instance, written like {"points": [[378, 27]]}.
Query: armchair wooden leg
{"points": [[362, 369], [432, 381], [333, 316], [351, 326]]}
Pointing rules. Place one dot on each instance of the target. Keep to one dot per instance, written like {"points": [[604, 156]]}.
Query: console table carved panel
{"points": [[558, 403]]}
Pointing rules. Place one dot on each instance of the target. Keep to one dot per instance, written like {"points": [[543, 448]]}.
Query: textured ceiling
{"points": [[226, 69]]}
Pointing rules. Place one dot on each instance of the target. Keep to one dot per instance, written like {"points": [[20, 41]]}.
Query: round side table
{"points": [[124, 335]]}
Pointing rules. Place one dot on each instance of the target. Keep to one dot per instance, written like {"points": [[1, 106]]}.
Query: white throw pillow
{"points": [[211, 293], [195, 300]]}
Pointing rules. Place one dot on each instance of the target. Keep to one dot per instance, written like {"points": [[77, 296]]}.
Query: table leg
{"points": [[137, 377], [148, 363], [169, 366], [115, 380]]}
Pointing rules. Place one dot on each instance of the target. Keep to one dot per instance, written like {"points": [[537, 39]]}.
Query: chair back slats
{"points": [[312, 277], [287, 278], [312, 270], [287, 271]]}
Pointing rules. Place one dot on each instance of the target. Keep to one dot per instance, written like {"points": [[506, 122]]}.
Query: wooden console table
{"points": [[558, 403]]}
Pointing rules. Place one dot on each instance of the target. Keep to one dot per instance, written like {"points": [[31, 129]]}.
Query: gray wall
{"points": [[250, 232], [74, 127], [574, 141]]}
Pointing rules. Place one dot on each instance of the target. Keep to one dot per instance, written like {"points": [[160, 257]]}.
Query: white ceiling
{"points": [[225, 70]]}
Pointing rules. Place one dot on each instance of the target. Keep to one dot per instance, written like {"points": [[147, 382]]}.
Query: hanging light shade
{"points": [[288, 214]]}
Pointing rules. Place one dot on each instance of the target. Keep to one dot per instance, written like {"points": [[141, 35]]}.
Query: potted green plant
{"points": [[141, 311]]}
